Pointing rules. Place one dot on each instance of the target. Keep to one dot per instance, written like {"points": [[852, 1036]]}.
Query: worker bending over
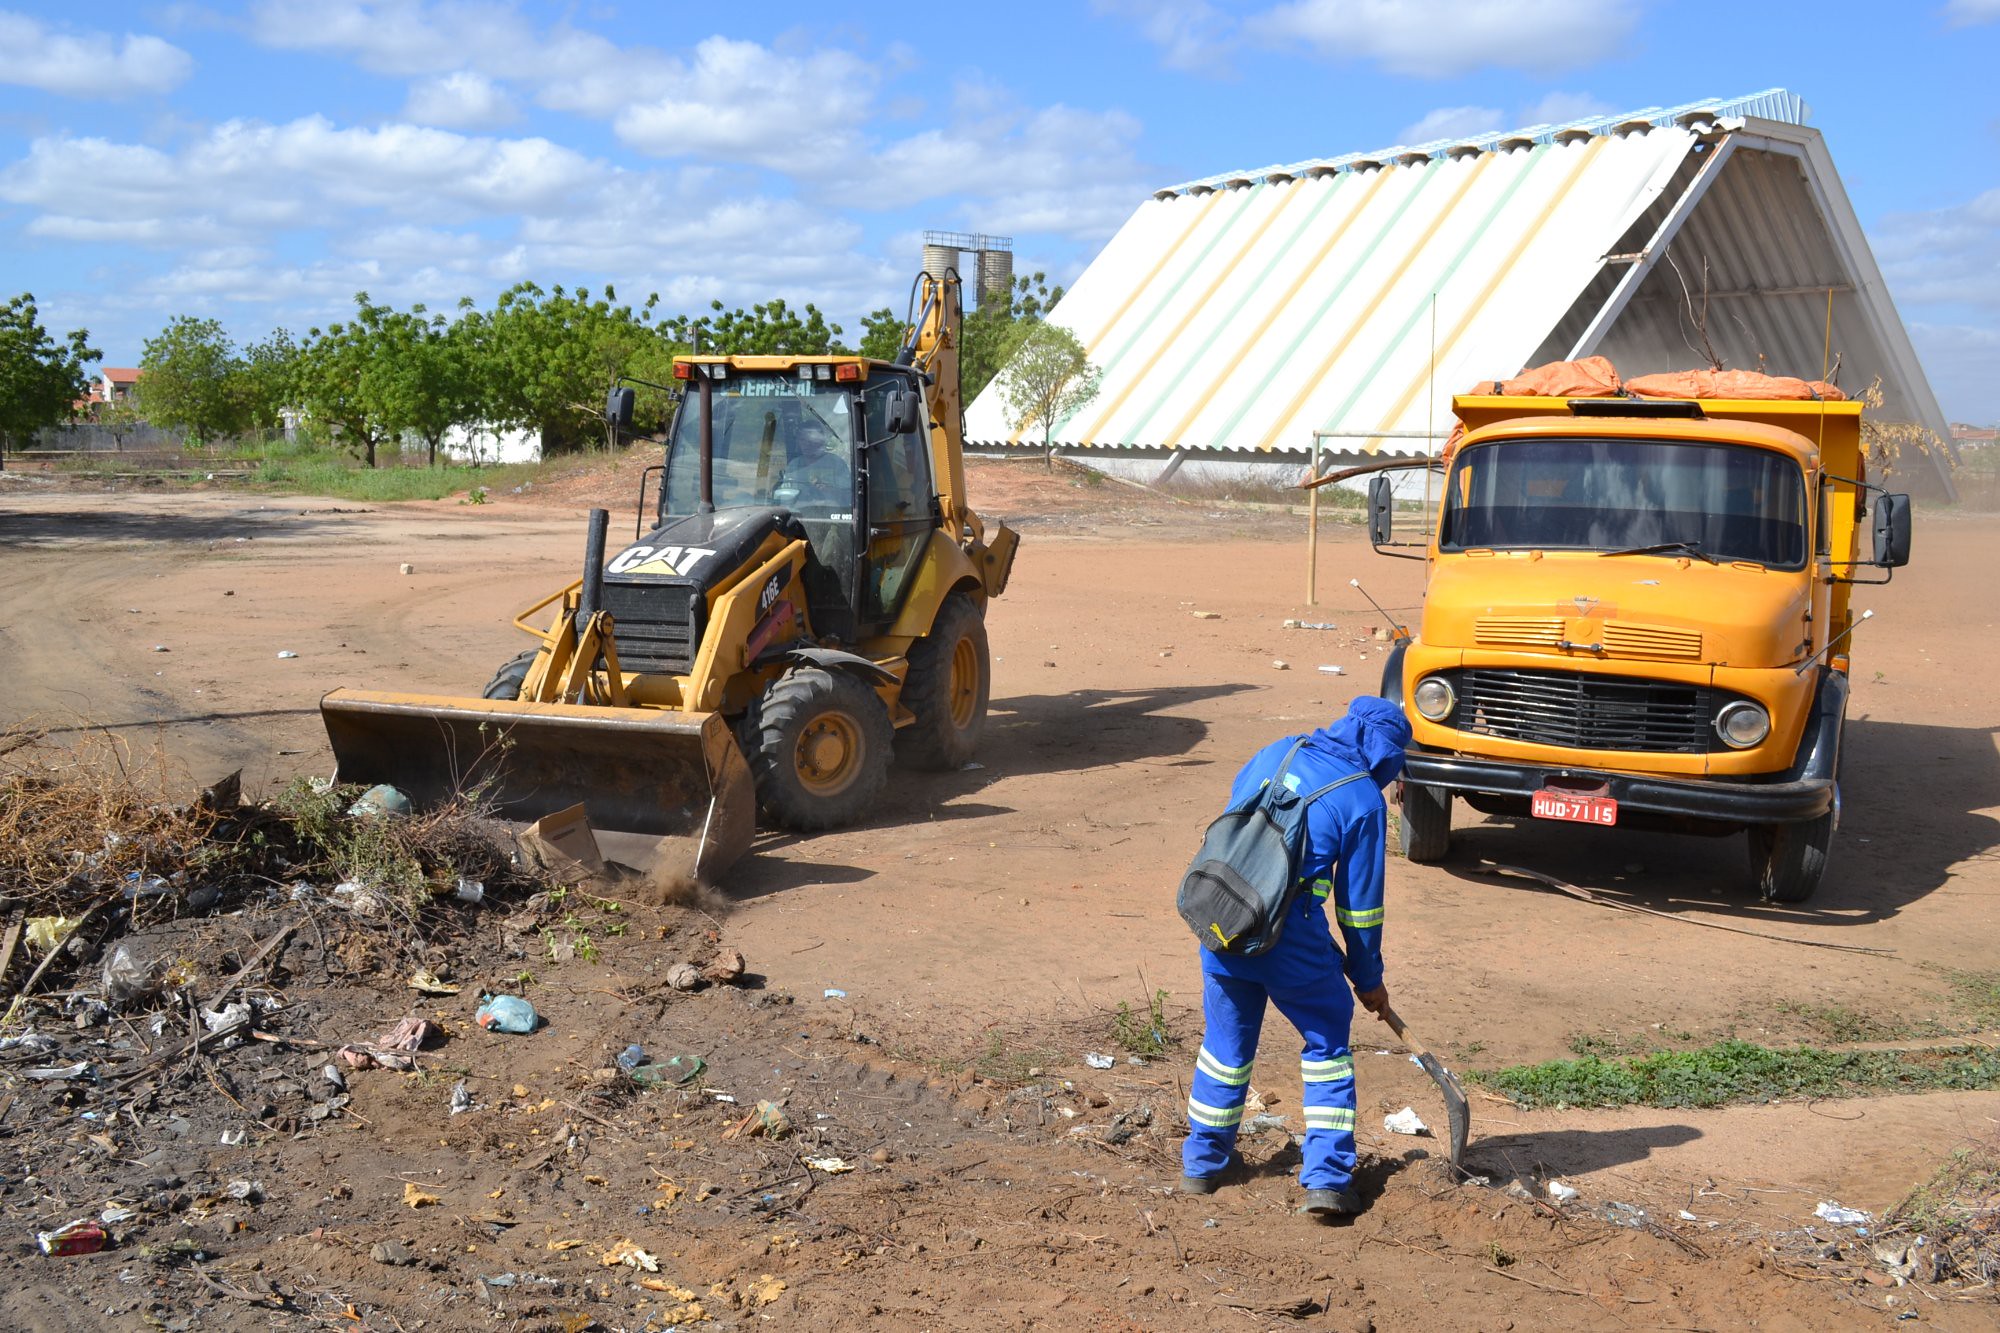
{"points": [[1303, 972]]}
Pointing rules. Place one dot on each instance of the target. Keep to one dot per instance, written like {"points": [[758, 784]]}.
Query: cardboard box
{"points": [[563, 839]]}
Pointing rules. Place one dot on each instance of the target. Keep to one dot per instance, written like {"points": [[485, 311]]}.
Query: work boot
{"points": [[1208, 1184], [1331, 1203]]}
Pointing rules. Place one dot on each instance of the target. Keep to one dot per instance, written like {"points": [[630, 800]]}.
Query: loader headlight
{"points": [[1742, 725], [1435, 698]]}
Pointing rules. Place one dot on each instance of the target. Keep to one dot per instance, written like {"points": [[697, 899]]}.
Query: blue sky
{"points": [[262, 161]]}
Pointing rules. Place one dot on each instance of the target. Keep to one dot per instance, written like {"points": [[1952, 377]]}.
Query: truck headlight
{"points": [[1742, 725], [1435, 698]]}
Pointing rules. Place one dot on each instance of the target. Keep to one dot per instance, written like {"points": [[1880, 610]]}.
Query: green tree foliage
{"points": [[1049, 378], [993, 333], [435, 381], [770, 329], [191, 379], [551, 357], [40, 378], [347, 376], [265, 380], [882, 334]]}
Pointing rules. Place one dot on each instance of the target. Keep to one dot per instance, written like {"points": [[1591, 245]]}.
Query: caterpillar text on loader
{"points": [[811, 595], [1638, 615]]}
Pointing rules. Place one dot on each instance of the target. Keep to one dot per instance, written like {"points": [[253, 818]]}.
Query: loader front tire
{"points": [[1787, 860], [819, 743], [508, 680], [947, 687], [1424, 822]]}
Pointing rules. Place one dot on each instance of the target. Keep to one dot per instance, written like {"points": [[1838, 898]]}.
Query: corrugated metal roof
{"points": [[1353, 296]]}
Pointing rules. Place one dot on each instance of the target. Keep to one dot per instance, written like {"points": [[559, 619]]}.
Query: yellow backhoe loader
{"points": [[810, 597]]}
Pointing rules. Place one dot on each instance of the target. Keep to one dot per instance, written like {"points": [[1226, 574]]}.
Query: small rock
{"points": [[684, 976], [1279, 664], [161, 648], [1207, 615], [287, 655], [1047, 663], [881, 1155], [393, 1252], [406, 568]]}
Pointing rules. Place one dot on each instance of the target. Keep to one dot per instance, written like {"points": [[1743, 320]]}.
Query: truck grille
{"points": [[1519, 631], [655, 625], [1586, 712]]}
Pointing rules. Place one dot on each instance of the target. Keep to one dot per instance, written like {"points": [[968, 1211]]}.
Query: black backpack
{"points": [[1245, 877]]}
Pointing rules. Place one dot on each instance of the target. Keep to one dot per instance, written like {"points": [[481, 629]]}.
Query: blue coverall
{"points": [[1303, 974]]}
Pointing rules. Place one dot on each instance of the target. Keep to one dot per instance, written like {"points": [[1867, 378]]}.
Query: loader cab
{"points": [[837, 448]]}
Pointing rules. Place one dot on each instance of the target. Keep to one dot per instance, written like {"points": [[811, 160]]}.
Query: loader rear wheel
{"points": [[818, 744], [1787, 860], [508, 680], [1424, 822], [947, 687]]}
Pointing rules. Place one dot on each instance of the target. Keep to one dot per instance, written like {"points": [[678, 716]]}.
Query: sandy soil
{"points": [[1011, 908]]}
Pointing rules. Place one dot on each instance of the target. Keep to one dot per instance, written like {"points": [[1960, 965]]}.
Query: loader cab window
{"points": [[1731, 502], [778, 441], [900, 510]]}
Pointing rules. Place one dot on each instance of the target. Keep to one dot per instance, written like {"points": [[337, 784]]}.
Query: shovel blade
{"points": [[1458, 1110]]}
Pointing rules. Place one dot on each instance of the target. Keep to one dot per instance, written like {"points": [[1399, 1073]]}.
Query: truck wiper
{"points": [[1661, 548]]}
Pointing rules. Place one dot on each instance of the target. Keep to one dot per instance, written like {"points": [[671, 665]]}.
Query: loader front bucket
{"points": [[638, 770]]}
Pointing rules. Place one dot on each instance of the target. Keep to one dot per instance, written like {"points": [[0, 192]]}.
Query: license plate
{"points": [[1577, 809]]}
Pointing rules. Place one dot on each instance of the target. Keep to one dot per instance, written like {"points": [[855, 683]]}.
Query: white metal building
{"points": [[1236, 316]]}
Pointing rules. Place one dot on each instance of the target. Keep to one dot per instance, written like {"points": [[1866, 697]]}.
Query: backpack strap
{"points": [[1276, 782], [1351, 777]]}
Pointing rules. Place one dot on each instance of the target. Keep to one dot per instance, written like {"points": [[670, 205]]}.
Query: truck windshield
{"points": [[779, 440], [1725, 502]]}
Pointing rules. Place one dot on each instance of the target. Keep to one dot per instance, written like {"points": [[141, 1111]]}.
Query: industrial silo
{"points": [[996, 272]]}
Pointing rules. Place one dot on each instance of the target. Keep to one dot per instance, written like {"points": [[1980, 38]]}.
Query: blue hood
{"points": [[1373, 736]]}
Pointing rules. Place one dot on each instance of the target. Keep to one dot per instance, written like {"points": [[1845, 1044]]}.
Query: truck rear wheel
{"points": [[1424, 825], [947, 687], [818, 742], [1787, 860], [508, 680]]}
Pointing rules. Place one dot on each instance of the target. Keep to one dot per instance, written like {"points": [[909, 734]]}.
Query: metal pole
{"points": [[1312, 533]]}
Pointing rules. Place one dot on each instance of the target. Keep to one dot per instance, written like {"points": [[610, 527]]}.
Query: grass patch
{"points": [[1978, 993], [341, 479], [1607, 1045], [1835, 1022], [1957, 1211], [1740, 1071]]}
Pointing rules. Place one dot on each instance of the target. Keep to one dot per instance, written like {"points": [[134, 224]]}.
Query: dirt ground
{"points": [[984, 929]]}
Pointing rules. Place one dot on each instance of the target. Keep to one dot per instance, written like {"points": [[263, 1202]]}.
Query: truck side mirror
{"points": [[1892, 530], [905, 412], [618, 407], [1381, 511]]}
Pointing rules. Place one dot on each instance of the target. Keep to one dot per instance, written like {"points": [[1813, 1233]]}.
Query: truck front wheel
{"points": [[1425, 822], [1787, 860]]}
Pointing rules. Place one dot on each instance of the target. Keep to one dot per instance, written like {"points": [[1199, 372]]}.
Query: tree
{"points": [[1049, 378], [40, 378], [191, 380], [993, 333], [882, 334], [264, 380], [430, 384], [549, 358], [347, 377]]}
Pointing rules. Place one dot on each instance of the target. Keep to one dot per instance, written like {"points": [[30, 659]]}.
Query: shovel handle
{"points": [[1395, 1022]]}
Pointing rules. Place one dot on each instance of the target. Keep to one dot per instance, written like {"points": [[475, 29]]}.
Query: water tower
{"points": [[993, 272]]}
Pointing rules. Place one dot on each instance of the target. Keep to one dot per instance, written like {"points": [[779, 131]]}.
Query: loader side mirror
{"points": [[1381, 511], [618, 407], [1892, 530], [905, 412]]}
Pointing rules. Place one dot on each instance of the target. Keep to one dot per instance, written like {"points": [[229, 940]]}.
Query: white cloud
{"points": [[1966, 13], [1945, 257], [1453, 122], [248, 177], [1192, 34], [461, 100], [1445, 38], [739, 101], [1958, 361], [1059, 170], [1564, 109], [89, 64]]}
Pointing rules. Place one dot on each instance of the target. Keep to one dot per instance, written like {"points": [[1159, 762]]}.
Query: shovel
{"points": [[1458, 1111]]}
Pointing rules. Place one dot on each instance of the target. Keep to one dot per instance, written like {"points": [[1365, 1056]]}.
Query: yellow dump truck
{"points": [[1637, 614]]}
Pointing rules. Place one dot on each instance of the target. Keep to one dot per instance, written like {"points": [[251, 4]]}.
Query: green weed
{"points": [[1739, 1071], [1834, 1022], [1146, 1034], [1001, 1063], [1607, 1044], [1978, 993]]}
